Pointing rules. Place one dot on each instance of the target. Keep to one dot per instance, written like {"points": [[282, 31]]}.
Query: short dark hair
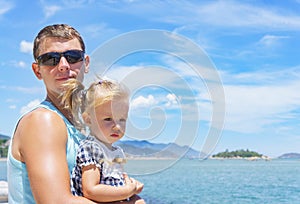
{"points": [[57, 30]]}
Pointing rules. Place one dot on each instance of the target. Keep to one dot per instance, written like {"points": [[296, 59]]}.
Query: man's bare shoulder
{"points": [[40, 120], [40, 114], [37, 126]]}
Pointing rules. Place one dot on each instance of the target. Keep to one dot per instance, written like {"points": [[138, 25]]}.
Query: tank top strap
{"points": [[72, 131], [74, 135], [48, 105]]}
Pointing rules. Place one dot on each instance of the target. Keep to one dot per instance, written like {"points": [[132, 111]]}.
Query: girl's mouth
{"points": [[114, 135]]}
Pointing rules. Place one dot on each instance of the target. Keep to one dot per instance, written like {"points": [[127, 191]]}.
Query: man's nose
{"points": [[63, 65]]}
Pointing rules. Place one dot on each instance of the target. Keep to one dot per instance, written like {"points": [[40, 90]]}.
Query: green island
{"points": [[3, 148], [246, 154]]}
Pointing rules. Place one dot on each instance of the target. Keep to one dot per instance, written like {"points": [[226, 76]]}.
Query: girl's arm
{"points": [[102, 192]]}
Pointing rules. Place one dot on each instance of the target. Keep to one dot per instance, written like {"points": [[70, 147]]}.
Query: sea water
{"points": [[223, 181], [215, 181], [3, 171]]}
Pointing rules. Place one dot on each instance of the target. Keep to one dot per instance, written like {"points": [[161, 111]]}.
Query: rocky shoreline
{"points": [[266, 158], [3, 192], [3, 187]]}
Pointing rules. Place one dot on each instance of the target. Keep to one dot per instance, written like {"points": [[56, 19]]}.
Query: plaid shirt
{"points": [[93, 152]]}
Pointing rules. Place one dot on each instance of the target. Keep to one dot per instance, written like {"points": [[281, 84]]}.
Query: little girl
{"points": [[98, 173]]}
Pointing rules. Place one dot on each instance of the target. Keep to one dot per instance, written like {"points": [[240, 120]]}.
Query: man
{"points": [[44, 144]]}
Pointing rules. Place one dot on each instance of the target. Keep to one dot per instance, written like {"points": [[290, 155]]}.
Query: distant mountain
{"points": [[4, 137], [143, 148], [290, 156]]}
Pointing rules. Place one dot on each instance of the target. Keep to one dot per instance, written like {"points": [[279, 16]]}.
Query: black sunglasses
{"points": [[53, 58]]}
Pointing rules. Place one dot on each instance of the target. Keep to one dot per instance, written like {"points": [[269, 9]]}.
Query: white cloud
{"points": [[26, 47], [100, 31], [271, 40], [5, 6], [21, 64], [232, 14], [29, 106], [12, 107], [10, 100], [24, 90], [171, 100], [29, 90], [175, 89], [142, 101], [254, 101], [51, 10], [139, 76], [228, 13], [77, 3], [252, 108]]}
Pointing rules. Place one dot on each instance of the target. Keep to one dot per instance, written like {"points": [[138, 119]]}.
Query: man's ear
{"points": [[36, 70], [86, 118]]}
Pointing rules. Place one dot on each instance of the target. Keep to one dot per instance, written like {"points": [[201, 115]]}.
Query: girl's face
{"points": [[108, 122]]}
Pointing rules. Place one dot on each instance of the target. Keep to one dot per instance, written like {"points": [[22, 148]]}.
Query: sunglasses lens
{"points": [[49, 59], [53, 58], [74, 56]]}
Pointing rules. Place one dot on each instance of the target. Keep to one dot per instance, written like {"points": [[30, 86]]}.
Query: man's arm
{"points": [[43, 136]]}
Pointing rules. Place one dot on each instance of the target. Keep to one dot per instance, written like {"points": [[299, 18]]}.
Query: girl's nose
{"points": [[117, 126]]}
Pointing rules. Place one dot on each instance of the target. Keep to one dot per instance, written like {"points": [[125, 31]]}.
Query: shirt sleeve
{"points": [[90, 153]]}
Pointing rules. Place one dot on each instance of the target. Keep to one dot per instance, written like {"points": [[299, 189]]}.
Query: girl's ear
{"points": [[86, 118], [36, 70]]}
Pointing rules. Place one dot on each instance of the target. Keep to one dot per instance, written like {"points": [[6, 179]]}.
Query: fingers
{"points": [[126, 178], [139, 187], [125, 175], [139, 184], [133, 182]]}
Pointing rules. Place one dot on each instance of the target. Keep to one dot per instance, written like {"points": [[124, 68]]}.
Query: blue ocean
{"points": [[215, 181]]}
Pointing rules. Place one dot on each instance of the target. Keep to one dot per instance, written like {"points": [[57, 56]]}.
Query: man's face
{"points": [[54, 76]]}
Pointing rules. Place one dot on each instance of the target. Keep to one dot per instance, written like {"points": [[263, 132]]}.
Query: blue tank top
{"points": [[18, 182]]}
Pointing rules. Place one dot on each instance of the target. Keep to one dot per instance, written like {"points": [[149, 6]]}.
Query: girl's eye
{"points": [[123, 120], [108, 119]]}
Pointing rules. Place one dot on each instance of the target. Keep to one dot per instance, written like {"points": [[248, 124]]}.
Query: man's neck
{"points": [[56, 101]]}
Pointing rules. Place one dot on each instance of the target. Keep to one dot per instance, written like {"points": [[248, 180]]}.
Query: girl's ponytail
{"points": [[73, 99]]}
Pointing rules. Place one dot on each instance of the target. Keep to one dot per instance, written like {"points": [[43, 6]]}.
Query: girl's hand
{"points": [[130, 184], [138, 186]]}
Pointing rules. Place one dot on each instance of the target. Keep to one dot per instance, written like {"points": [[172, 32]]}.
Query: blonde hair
{"points": [[79, 100]]}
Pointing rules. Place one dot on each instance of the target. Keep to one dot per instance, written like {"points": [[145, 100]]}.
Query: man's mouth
{"points": [[63, 79]]}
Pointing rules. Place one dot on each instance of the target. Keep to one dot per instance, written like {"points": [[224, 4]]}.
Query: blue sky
{"points": [[253, 46]]}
